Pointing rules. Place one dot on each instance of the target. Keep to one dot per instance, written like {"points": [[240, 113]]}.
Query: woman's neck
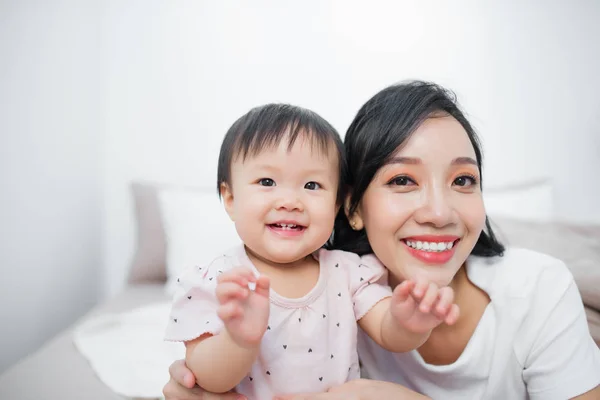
{"points": [[446, 343], [461, 284]]}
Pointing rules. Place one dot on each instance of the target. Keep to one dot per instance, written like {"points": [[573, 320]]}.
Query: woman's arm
{"points": [[181, 386], [593, 394], [360, 389]]}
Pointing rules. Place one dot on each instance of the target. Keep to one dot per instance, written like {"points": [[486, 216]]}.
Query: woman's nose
{"points": [[435, 208]]}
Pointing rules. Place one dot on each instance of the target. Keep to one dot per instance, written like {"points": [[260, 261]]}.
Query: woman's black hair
{"points": [[266, 126], [382, 125]]}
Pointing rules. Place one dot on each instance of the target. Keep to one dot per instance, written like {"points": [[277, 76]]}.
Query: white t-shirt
{"points": [[532, 341]]}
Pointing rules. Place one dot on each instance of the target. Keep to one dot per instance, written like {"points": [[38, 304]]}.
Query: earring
{"points": [[353, 224]]}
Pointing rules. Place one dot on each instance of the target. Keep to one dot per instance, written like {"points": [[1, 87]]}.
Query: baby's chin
{"points": [[286, 258]]}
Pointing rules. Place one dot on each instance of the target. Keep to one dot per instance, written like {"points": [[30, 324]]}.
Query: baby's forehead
{"points": [[297, 163], [300, 157], [308, 146]]}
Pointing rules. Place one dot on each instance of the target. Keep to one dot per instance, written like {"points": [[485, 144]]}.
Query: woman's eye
{"points": [[401, 181], [465, 180], [266, 182], [312, 186]]}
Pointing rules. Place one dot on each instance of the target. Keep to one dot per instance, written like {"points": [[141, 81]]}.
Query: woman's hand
{"points": [[360, 389], [182, 386]]}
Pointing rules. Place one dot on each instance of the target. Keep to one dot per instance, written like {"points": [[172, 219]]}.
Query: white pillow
{"points": [[197, 229], [528, 201]]}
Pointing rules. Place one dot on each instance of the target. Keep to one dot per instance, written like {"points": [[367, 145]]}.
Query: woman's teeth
{"points": [[429, 246]]}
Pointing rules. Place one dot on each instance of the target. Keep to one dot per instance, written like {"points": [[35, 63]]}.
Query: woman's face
{"points": [[423, 211]]}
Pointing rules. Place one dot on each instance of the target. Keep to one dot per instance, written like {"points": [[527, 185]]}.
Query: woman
{"points": [[415, 202]]}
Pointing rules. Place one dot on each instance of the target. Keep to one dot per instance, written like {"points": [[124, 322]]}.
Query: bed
{"points": [[59, 370]]}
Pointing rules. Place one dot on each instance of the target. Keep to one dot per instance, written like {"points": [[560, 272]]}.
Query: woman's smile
{"points": [[431, 249]]}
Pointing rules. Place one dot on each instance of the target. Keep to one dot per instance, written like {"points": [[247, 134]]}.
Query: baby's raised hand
{"points": [[244, 312], [420, 307]]}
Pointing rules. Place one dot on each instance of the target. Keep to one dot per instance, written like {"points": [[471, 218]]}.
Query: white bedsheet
{"points": [[127, 350]]}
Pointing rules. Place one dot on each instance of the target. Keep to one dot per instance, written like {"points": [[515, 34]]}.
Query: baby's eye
{"points": [[312, 186], [266, 182], [401, 181], [465, 180]]}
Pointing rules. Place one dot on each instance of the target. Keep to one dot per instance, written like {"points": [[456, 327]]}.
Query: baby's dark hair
{"points": [[266, 126]]}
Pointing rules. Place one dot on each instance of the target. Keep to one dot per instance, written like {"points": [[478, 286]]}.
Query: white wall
{"points": [[50, 169], [180, 73], [545, 117]]}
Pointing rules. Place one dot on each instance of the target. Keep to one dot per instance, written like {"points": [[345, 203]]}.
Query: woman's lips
{"points": [[431, 249]]}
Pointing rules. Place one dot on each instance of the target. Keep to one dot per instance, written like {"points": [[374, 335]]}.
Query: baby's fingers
{"points": [[445, 299], [227, 291], [239, 275], [262, 286], [453, 315], [402, 291], [229, 311], [429, 298], [420, 290]]}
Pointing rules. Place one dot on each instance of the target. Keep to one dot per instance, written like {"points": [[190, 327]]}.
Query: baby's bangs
{"points": [[270, 136]]}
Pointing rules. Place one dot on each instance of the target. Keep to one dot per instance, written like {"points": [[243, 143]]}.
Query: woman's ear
{"points": [[356, 221], [227, 196]]}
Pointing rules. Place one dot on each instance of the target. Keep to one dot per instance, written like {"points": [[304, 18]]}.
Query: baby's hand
{"points": [[420, 307], [244, 312]]}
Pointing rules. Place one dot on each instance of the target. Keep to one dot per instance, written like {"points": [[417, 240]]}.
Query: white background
{"points": [[94, 94]]}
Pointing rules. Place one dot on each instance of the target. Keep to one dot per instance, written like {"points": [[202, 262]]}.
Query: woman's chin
{"points": [[441, 275]]}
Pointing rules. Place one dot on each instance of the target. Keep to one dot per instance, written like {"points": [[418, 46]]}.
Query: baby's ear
{"points": [[355, 219], [227, 196]]}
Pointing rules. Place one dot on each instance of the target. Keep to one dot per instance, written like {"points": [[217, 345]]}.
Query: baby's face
{"points": [[283, 201]]}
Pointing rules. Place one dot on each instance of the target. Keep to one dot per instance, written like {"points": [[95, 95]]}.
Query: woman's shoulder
{"points": [[519, 272], [527, 260]]}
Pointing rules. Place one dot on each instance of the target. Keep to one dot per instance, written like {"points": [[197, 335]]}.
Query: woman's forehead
{"points": [[437, 139]]}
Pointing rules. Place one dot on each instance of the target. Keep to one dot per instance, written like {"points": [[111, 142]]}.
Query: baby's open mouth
{"points": [[294, 227]]}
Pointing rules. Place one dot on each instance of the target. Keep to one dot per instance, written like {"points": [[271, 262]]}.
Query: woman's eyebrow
{"points": [[404, 160], [464, 160], [416, 161]]}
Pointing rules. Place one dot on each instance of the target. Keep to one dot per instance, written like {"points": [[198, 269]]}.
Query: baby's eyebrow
{"points": [[310, 171], [266, 166]]}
